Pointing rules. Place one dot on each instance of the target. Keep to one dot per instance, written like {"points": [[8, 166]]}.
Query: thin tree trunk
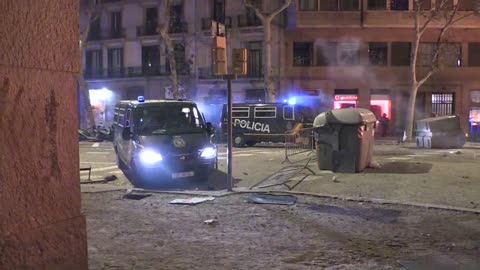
{"points": [[411, 111], [172, 62], [268, 70], [164, 33], [86, 101]]}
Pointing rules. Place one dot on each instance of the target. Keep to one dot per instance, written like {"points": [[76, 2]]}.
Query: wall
{"points": [[41, 225]]}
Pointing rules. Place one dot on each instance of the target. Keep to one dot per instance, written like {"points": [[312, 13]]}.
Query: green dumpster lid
{"points": [[348, 116]]}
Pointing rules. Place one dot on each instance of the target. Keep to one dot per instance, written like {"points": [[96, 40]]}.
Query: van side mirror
{"points": [[126, 134], [210, 128]]}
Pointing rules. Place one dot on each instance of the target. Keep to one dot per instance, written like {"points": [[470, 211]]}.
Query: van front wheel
{"points": [[238, 141]]}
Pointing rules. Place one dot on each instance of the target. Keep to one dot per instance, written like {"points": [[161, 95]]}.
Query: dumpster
{"points": [[439, 132], [344, 139]]}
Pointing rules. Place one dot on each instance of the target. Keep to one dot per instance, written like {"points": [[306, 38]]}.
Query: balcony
{"points": [[131, 72], [107, 34], [178, 27], [248, 21], [207, 23], [206, 73], [145, 30]]}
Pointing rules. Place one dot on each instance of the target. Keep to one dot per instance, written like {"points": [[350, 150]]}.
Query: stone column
{"points": [[41, 225]]}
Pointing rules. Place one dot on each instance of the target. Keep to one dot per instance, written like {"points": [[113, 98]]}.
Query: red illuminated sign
{"points": [[346, 97]]}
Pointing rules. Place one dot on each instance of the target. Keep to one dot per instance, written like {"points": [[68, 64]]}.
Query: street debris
{"points": [[335, 179], [192, 200], [110, 178], [374, 164], [272, 199], [130, 195], [210, 221]]}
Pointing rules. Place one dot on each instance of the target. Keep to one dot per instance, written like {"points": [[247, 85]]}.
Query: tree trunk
{"points": [[268, 70], [83, 87], [86, 101], [411, 111]]}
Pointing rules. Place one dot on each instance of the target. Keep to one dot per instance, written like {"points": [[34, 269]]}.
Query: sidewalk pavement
{"points": [[410, 175]]}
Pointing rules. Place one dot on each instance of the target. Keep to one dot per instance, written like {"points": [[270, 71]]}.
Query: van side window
{"points": [[240, 112], [115, 117], [121, 117], [265, 112], [288, 113], [128, 117]]}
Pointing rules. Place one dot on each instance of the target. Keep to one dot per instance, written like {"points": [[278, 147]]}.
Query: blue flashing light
{"points": [[284, 101], [292, 101], [141, 99]]}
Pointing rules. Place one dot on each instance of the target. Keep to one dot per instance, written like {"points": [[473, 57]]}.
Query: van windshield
{"points": [[167, 119]]}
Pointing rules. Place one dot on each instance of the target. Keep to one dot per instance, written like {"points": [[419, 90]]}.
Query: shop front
{"points": [[345, 98], [474, 116]]}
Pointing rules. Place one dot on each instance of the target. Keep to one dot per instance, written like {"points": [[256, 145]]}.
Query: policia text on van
{"points": [[264, 122], [163, 139]]}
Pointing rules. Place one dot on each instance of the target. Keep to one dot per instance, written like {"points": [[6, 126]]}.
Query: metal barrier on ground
{"points": [[298, 141]]}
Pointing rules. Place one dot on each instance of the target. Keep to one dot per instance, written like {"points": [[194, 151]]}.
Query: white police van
{"points": [[264, 122]]}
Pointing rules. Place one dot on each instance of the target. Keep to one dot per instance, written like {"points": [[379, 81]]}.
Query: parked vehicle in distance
{"points": [[264, 122]]}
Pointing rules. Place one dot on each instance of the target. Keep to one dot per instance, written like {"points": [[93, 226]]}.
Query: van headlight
{"points": [[209, 153], [148, 156]]}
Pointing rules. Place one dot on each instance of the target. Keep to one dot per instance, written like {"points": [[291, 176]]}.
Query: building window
{"points": [[308, 5], [116, 24], [151, 59], [443, 104], [328, 5], [255, 95], [474, 54], [94, 32], [326, 53], [348, 54], [449, 55], [115, 62], [447, 6], [377, 53], [377, 4], [151, 22], [424, 5], [254, 60], [399, 4], [218, 11], [302, 53], [176, 13], [94, 62], [179, 54], [348, 5], [466, 5], [401, 53]]}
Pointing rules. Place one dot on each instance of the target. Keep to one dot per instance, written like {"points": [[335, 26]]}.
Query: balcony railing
{"points": [[248, 21], [109, 34], [206, 73], [129, 72], [178, 27], [207, 23], [145, 30]]}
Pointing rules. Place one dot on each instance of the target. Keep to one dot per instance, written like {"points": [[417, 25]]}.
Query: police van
{"points": [[264, 122], [163, 139]]}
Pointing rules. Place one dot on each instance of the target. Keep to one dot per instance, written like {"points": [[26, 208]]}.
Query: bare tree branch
{"points": [[257, 11]]}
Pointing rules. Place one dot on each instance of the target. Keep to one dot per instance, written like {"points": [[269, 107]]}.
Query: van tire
{"points": [[251, 143], [238, 141]]}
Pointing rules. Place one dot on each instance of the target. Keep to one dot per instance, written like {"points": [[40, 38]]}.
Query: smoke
{"points": [[347, 54]]}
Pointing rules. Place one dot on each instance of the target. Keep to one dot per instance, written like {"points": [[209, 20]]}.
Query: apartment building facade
{"points": [[125, 56], [356, 53]]}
